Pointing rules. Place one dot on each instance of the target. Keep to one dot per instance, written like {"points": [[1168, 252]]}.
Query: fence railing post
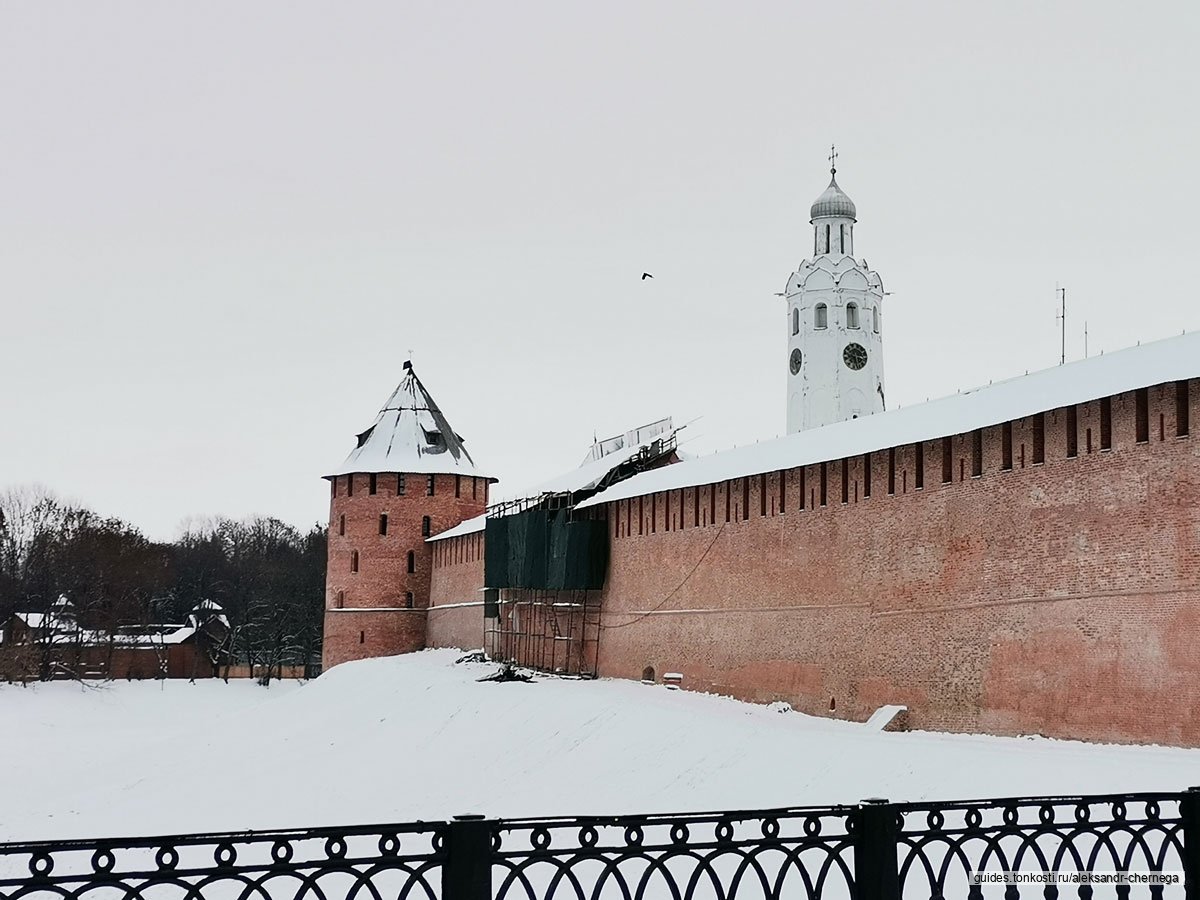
{"points": [[876, 875], [1189, 812], [468, 871]]}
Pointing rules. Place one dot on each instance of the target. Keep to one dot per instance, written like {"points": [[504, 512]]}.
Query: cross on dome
{"points": [[834, 202]]}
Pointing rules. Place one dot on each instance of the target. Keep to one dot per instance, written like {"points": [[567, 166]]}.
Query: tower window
{"points": [[745, 498], [1141, 402], [349, 485], [695, 506], [796, 320], [457, 485], [383, 523], [803, 486], [400, 485], [353, 560], [1006, 457], [342, 525], [977, 453], [826, 238], [429, 485], [341, 599], [947, 460], [372, 483], [892, 471], [824, 481], [425, 526], [782, 492], [919, 474], [820, 316], [851, 315], [412, 562], [1072, 432], [408, 600], [875, 319], [1038, 454], [842, 238], [1181, 408], [1106, 423], [845, 481], [866, 461], [762, 494], [362, 637], [712, 504]]}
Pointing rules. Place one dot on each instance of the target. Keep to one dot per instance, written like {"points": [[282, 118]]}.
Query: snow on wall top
{"points": [[604, 456], [1173, 359], [410, 434], [470, 526]]}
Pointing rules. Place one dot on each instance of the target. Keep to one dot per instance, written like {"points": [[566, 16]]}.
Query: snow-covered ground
{"points": [[417, 737]]}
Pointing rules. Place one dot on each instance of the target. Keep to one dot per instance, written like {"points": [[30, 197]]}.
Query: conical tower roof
{"points": [[410, 434]]}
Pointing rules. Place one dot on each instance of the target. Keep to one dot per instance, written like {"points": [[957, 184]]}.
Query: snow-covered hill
{"points": [[417, 737]]}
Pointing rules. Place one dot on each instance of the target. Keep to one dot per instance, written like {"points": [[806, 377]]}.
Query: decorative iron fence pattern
{"points": [[942, 843], [398, 862], [873, 850], [772, 853]]}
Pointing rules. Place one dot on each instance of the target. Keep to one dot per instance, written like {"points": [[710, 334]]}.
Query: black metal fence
{"points": [[873, 850]]}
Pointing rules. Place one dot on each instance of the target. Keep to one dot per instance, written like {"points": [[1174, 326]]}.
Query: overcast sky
{"points": [[224, 225]]}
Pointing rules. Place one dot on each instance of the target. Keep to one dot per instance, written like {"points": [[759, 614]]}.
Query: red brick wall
{"points": [[455, 604], [382, 579], [1060, 598], [361, 634]]}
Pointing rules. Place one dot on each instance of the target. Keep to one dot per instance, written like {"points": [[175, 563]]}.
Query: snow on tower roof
{"points": [[1173, 359], [410, 434]]}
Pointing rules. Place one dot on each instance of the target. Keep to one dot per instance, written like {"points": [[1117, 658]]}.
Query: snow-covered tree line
{"points": [[267, 576]]}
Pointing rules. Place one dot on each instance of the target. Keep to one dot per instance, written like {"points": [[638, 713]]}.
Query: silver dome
{"points": [[833, 203]]}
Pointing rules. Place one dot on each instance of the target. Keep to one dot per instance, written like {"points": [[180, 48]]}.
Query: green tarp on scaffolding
{"points": [[544, 550]]}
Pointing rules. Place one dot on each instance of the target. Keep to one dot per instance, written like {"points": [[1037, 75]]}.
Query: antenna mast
{"points": [[1062, 316]]}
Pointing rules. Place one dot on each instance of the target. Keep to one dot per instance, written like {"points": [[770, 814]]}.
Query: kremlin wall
{"points": [[1058, 598], [1020, 559]]}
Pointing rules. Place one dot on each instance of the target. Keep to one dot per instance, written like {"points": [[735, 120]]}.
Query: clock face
{"points": [[795, 361], [855, 356]]}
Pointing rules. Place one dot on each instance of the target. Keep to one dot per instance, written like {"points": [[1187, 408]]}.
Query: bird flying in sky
{"points": [[646, 275]]}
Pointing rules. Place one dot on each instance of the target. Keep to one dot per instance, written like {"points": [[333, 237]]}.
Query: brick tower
{"points": [[409, 477]]}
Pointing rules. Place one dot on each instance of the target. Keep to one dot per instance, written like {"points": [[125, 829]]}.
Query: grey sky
{"points": [[223, 225]]}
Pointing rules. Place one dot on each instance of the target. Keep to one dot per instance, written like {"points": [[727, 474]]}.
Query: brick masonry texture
{"points": [[382, 581], [1060, 598], [456, 605], [1056, 598]]}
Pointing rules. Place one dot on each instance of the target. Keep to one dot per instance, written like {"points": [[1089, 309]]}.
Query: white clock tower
{"points": [[834, 322]]}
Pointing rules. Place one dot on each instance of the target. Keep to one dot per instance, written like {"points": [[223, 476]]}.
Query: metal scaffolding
{"points": [[551, 631]]}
